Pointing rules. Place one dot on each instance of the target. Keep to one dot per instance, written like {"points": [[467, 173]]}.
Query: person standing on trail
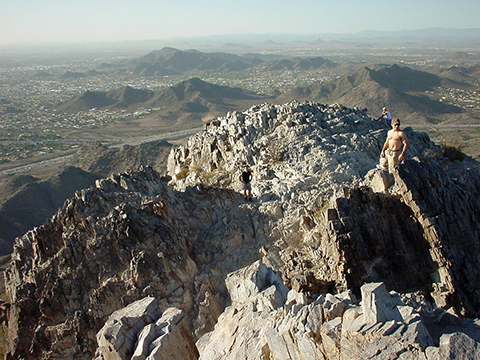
{"points": [[392, 151], [246, 177], [387, 116]]}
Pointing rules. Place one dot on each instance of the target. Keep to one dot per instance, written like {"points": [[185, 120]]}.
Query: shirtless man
{"points": [[392, 152]]}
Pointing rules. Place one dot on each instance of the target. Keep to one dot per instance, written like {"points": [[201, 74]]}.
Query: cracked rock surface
{"points": [[145, 266]]}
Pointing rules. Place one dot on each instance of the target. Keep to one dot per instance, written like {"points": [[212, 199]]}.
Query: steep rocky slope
{"points": [[142, 265], [30, 201]]}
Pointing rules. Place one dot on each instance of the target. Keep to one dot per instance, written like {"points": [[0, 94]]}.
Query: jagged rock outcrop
{"points": [[141, 331], [267, 321], [322, 221], [128, 237], [326, 326], [310, 161]]}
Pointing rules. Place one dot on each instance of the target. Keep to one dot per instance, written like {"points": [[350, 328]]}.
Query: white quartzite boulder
{"points": [[116, 340], [322, 327], [141, 331], [246, 283]]}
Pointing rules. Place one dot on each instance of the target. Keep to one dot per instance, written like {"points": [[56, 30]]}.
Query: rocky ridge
{"points": [[135, 266]]}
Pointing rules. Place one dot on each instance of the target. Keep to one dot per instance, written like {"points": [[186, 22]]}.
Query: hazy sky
{"points": [[30, 21]]}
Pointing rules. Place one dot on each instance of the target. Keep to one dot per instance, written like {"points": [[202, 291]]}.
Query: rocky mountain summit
{"points": [[332, 260]]}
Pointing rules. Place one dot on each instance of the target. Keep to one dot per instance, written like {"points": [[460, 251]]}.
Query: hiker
{"points": [[246, 178], [386, 115], [392, 151]]}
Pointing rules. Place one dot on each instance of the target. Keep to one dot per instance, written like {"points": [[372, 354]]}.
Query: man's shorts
{"points": [[246, 186], [390, 160]]}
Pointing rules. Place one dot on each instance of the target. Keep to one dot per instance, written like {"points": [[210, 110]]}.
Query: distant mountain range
{"points": [[252, 40], [171, 61], [398, 88], [192, 96], [242, 42], [427, 34]]}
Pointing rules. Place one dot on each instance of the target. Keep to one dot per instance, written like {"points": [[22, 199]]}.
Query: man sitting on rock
{"points": [[392, 152], [386, 115], [246, 178]]}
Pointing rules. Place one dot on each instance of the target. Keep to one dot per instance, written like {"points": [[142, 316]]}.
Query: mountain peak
{"points": [[399, 88], [173, 255], [404, 78]]}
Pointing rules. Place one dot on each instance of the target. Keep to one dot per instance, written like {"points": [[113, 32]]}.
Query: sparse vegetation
{"points": [[3, 340], [216, 178], [320, 205], [276, 151], [453, 152], [210, 176], [182, 174], [4, 260], [296, 240], [319, 211]]}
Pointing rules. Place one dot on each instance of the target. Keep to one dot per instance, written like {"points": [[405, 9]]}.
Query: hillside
{"points": [[126, 97], [314, 63], [85, 102], [192, 96], [400, 89], [328, 261], [104, 161], [461, 73], [30, 201], [169, 61], [197, 96]]}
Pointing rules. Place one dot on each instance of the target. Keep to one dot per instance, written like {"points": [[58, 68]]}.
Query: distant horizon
{"points": [[425, 34], [26, 22]]}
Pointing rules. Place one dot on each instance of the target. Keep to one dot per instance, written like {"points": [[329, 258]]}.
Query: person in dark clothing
{"points": [[246, 178]]}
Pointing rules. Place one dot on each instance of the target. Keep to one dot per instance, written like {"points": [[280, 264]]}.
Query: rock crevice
{"points": [[322, 223]]}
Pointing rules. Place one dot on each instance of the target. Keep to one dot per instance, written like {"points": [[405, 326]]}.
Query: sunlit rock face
{"points": [[142, 265]]}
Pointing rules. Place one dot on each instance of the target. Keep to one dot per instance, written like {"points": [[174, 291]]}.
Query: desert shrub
{"points": [[218, 178], [276, 151], [430, 154], [182, 174], [453, 152], [321, 204], [319, 211], [296, 240]]}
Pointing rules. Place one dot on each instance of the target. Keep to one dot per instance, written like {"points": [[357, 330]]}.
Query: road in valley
{"points": [[174, 135]]}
